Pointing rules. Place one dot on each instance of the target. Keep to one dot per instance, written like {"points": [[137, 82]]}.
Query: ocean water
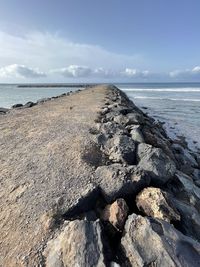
{"points": [[12, 94], [176, 104]]}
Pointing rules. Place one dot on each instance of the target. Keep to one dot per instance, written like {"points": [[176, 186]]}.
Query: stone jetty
{"points": [[87, 179]]}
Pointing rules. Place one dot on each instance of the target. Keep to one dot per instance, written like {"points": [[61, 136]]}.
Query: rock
{"points": [[121, 148], [137, 136], [157, 137], [111, 128], [130, 118], [29, 104], [17, 106], [105, 111], [153, 242], [78, 244], [156, 162], [185, 190], [3, 110], [190, 219], [116, 213], [42, 100], [135, 118], [185, 161], [153, 202], [121, 119], [116, 181]]}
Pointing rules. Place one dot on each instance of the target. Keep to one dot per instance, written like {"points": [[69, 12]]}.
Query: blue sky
{"points": [[92, 40]]}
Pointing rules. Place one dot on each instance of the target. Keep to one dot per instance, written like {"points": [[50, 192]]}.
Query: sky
{"points": [[99, 41]]}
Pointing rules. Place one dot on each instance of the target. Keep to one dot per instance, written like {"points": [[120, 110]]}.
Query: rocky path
{"points": [[88, 179]]}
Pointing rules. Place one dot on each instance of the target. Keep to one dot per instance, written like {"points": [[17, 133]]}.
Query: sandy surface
{"points": [[44, 170]]}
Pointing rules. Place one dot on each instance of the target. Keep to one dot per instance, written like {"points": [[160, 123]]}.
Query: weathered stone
{"points": [[116, 213], [185, 189], [135, 118], [157, 137], [157, 162], [153, 242], [153, 202], [190, 219], [121, 148], [137, 136], [78, 244], [116, 181], [111, 128], [186, 162], [121, 119]]}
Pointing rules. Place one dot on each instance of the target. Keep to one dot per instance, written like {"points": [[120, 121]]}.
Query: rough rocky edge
{"points": [[88, 179]]}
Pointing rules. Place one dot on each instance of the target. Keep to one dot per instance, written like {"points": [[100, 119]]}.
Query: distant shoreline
{"points": [[82, 85]]}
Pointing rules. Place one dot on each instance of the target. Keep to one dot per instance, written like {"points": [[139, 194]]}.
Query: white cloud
{"points": [[131, 73], [74, 71], [189, 74], [20, 71]]}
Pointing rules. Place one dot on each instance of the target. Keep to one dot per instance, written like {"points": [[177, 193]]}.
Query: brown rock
{"points": [[153, 202], [116, 213]]}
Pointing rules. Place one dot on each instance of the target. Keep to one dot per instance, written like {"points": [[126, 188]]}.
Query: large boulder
{"points": [[154, 160], [78, 244], [121, 148], [117, 181], [152, 242], [190, 219], [185, 189], [154, 202], [185, 160]]}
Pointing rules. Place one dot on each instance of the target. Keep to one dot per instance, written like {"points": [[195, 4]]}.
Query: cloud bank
{"points": [[188, 74], [20, 71], [51, 58]]}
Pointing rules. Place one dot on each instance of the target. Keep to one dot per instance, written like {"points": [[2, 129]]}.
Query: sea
{"points": [[177, 105]]}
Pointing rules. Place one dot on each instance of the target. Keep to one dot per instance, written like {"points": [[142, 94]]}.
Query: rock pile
{"points": [[148, 177]]}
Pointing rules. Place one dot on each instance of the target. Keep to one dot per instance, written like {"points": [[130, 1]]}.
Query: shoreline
{"points": [[93, 168]]}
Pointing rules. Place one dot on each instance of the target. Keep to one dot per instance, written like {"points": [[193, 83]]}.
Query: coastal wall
{"points": [[88, 179]]}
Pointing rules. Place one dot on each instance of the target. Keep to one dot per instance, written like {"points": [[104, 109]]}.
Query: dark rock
{"points": [[17, 106], [121, 148], [29, 104], [3, 110], [185, 160], [190, 219], [116, 181], [154, 160], [153, 242], [185, 190]]}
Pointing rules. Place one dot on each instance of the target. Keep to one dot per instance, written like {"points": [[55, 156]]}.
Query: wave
{"points": [[162, 89], [170, 99]]}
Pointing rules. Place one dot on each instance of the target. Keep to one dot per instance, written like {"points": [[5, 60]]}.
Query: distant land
{"points": [[56, 85]]}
